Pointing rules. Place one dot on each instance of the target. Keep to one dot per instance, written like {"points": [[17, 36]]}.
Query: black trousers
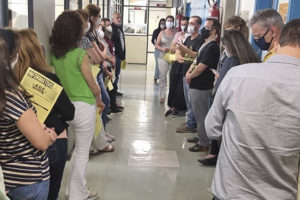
{"points": [[176, 94], [57, 155], [113, 93]]}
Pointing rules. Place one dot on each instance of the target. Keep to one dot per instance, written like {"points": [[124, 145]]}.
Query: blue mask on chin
{"points": [[261, 42]]}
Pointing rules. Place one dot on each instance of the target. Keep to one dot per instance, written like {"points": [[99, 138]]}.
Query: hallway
{"points": [[151, 161]]}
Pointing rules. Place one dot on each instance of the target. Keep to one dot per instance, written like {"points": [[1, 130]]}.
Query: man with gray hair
{"points": [[266, 28]]}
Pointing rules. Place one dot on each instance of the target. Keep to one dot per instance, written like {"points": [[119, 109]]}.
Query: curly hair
{"points": [[67, 33]]}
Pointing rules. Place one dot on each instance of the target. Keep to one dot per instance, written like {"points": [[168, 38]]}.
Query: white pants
{"points": [[83, 127], [164, 68], [100, 142]]}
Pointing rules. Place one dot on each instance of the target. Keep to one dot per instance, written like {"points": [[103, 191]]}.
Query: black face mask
{"points": [[205, 33]]}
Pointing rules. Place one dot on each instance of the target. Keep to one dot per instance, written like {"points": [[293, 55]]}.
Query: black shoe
{"points": [[169, 112], [193, 140], [198, 148], [209, 161], [121, 107], [116, 110], [120, 94]]}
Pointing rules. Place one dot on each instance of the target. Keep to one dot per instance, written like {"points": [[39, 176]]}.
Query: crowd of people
{"points": [[33, 156], [243, 108], [238, 103]]}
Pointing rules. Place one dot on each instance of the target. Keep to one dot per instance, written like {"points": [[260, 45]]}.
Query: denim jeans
{"points": [[190, 118], [156, 74], [37, 191], [57, 154], [118, 71], [105, 98]]}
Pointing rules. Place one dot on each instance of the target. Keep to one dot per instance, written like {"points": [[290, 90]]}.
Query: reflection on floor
{"points": [[151, 161]]}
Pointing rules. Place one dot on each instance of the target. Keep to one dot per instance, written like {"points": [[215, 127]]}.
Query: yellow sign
{"points": [[123, 64], [98, 125], [43, 90], [95, 70]]}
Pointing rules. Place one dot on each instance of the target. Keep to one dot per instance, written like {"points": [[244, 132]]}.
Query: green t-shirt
{"points": [[68, 70]]}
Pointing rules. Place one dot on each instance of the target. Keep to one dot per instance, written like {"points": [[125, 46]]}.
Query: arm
{"points": [[200, 68], [39, 136], [94, 87], [93, 54], [98, 51], [186, 50], [215, 118], [158, 43]]}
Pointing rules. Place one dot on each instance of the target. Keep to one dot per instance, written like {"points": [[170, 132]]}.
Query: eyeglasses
{"points": [[263, 35]]}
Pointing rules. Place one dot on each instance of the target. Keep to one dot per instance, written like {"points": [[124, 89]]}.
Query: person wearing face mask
{"points": [[176, 100], [189, 50], [163, 44], [161, 26], [201, 79], [266, 28], [120, 47], [23, 139]]}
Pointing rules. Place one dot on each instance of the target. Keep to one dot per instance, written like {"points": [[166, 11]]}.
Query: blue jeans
{"points": [[57, 154], [118, 70], [156, 74], [190, 118], [105, 98], [37, 191]]}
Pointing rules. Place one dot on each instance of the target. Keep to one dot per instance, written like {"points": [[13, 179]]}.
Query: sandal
{"points": [[108, 148]]}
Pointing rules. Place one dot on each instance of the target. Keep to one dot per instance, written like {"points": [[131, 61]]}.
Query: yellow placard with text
{"points": [[98, 125], [43, 90]]}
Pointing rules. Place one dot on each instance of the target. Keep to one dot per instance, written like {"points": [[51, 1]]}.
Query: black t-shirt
{"points": [[62, 111], [209, 56], [193, 45]]}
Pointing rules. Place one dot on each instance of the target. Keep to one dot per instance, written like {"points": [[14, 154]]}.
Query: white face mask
{"points": [[191, 29], [183, 28], [87, 28], [109, 29], [100, 33], [169, 24], [98, 22], [13, 64], [162, 26]]}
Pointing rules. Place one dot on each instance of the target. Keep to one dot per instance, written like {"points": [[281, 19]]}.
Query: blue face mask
{"points": [[261, 42]]}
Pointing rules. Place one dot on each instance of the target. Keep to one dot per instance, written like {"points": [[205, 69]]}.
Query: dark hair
{"points": [[93, 10], [8, 81], [84, 14], [237, 45], [185, 18], [161, 20], [105, 20], [170, 16], [216, 24], [290, 34], [238, 21], [199, 20], [67, 33]]}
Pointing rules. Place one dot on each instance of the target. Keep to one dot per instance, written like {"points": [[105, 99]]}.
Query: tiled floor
{"points": [[151, 161]]}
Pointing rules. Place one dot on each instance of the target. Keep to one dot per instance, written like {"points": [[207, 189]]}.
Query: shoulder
{"points": [[53, 77]]}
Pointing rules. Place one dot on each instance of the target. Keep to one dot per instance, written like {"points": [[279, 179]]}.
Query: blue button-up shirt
{"points": [[256, 111]]}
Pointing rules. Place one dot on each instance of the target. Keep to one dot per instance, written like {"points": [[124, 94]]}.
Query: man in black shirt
{"points": [[188, 50], [120, 50], [201, 79]]}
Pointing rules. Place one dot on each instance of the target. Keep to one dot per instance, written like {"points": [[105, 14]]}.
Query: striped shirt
{"points": [[22, 163]]}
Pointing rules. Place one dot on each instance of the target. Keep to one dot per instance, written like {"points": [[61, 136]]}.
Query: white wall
{"points": [[44, 16]]}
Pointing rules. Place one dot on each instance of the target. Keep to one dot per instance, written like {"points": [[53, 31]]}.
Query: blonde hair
{"points": [[31, 54], [238, 21]]}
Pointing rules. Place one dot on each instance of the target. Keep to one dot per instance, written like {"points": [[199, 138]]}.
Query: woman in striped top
{"points": [[23, 140]]}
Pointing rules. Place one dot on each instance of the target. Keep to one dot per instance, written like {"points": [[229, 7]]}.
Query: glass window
{"points": [[74, 4], [135, 20], [135, 2], [283, 6], [59, 7], [94, 2], [19, 10], [161, 3], [85, 2], [245, 9]]}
